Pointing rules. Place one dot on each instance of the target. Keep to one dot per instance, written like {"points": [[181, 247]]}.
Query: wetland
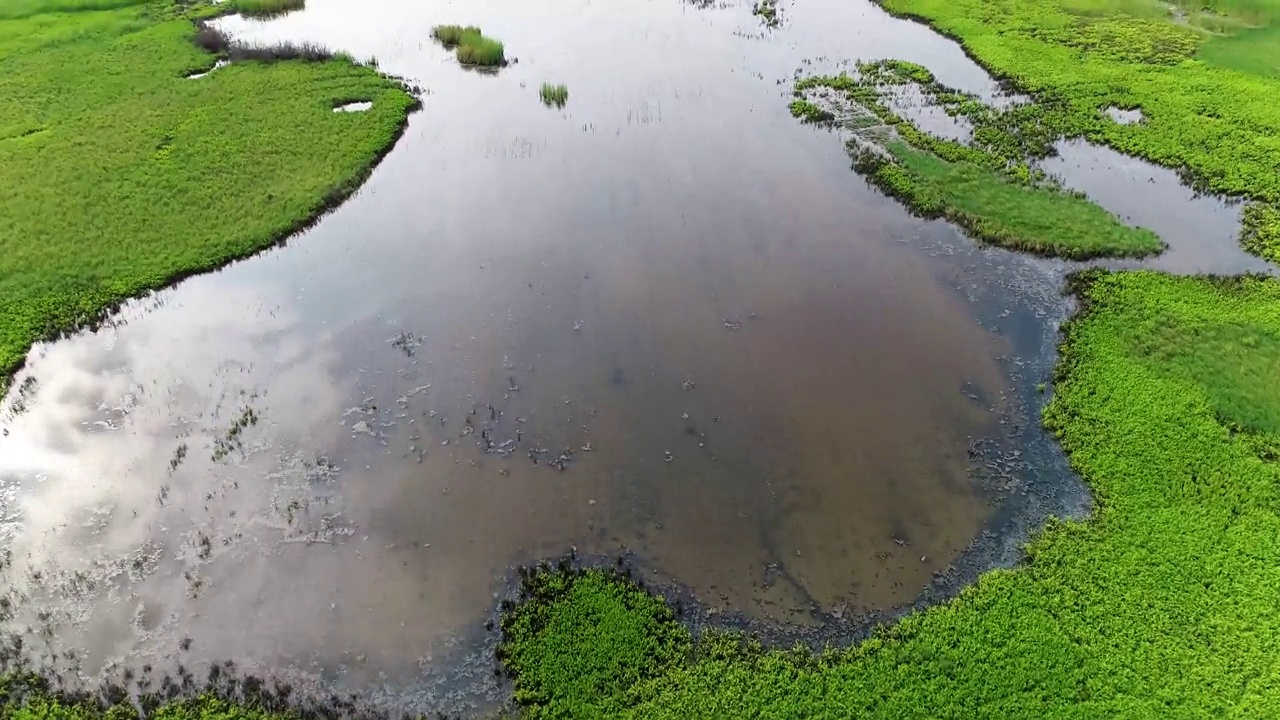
{"points": [[664, 331]]}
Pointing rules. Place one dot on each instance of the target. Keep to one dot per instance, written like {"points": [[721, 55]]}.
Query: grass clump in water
{"points": [[1162, 604], [553, 95], [767, 11], [125, 184], [989, 186], [266, 8], [470, 45]]}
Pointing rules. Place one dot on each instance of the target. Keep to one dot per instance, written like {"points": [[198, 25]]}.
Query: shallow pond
{"points": [[665, 321]]}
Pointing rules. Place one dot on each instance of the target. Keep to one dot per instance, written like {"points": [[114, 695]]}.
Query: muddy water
{"points": [[666, 320]]}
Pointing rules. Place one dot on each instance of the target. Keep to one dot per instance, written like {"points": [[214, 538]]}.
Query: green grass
{"points": [[265, 8], [470, 45], [29, 697], [1208, 99], [1255, 51], [989, 186], [1039, 220], [1261, 230], [562, 664], [553, 95], [1161, 605], [124, 184]]}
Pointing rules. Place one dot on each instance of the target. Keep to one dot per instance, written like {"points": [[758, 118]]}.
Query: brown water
{"points": [[667, 320]]}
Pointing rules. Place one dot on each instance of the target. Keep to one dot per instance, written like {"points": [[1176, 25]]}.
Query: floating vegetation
{"points": [[470, 45], [554, 95], [231, 440], [767, 11]]}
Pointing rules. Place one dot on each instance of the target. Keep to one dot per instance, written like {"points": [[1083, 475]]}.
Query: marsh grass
{"points": [[989, 186], [1210, 97], [213, 40], [1167, 401], [470, 45], [265, 8], [553, 95], [125, 184]]}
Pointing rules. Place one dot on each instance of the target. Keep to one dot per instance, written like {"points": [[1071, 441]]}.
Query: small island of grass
{"points": [[470, 45], [554, 95]]}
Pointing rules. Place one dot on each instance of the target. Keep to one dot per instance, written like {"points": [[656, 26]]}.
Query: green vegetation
{"points": [[129, 182], [554, 95], [811, 112], [988, 186], [470, 45], [563, 665], [1204, 73], [266, 8], [28, 697], [767, 11], [1261, 230], [1161, 605]]}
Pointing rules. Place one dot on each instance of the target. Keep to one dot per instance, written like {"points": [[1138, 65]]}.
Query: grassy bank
{"points": [[1163, 604], [988, 185], [1204, 73], [121, 175]]}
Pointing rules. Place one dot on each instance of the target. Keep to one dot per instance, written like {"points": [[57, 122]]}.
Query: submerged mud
{"points": [[667, 322]]}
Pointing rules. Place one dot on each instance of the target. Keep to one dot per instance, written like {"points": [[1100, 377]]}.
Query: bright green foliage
{"points": [[987, 186], [563, 663], [470, 45], [1163, 604], [1255, 51], [1208, 101], [1040, 220], [553, 95], [266, 8], [123, 184], [26, 697], [1261, 230], [810, 112]]}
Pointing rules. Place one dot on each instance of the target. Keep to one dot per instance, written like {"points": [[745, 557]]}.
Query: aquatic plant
{"points": [[987, 186], [180, 176], [767, 11], [553, 95], [470, 46], [1260, 230], [810, 112], [1162, 604], [265, 8]]}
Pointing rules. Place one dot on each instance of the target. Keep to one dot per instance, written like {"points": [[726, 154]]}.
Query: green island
{"points": [[144, 176], [470, 45], [1162, 604]]}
